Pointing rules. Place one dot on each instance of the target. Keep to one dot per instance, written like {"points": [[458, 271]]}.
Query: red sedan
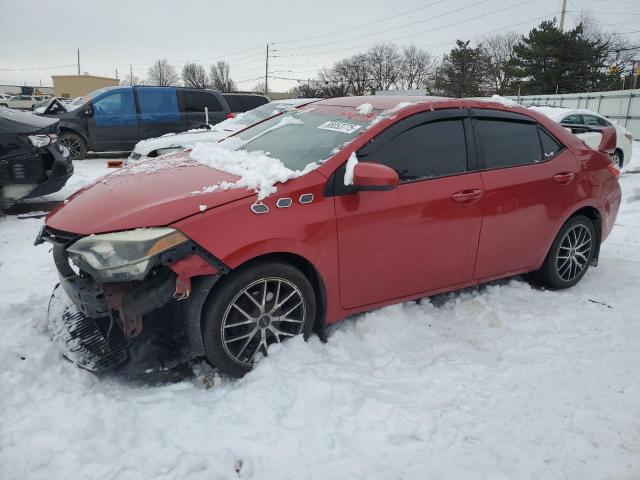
{"points": [[394, 199]]}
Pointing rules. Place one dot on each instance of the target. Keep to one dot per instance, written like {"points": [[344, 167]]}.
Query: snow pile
{"points": [[507, 102], [554, 113], [364, 109], [501, 382], [351, 165]]}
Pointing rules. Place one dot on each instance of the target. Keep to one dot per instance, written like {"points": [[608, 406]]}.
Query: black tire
{"points": [[225, 335], [555, 272], [75, 144], [4, 105], [617, 158]]}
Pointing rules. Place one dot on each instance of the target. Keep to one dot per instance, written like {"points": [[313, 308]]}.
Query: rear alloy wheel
{"points": [[570, 255], [255, 307], [75, 144], [617, 158]]}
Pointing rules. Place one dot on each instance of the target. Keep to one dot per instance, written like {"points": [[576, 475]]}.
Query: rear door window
{"points": [[115, 108], [158, 105], [428, 150], [572, 120], [505, 143], [194, 101]]}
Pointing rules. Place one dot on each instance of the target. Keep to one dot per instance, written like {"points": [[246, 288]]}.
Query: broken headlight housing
{"points": [[123, 256]]}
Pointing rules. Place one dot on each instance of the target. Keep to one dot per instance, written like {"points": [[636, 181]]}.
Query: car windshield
{"points": [[308, 135]]}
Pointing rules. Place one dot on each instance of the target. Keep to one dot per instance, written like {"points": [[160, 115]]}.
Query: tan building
{"points": [[71, 86]]}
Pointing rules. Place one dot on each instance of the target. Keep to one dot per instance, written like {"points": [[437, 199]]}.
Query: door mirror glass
{"points": [[374, 176]]}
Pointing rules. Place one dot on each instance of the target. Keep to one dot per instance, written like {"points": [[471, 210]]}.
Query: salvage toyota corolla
{"points": [[299, 221]]}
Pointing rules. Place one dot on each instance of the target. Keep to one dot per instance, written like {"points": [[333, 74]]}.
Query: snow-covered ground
{"points": [[504, 382]]}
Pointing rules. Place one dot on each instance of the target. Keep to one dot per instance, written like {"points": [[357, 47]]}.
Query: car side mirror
{"points": [[88, 111], [608, 141], [374, 177]]}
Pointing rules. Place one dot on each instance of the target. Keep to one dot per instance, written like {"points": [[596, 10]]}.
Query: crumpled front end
{"points": [[131, 325]]}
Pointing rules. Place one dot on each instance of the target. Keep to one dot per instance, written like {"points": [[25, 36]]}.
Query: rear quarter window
{"points": [[195, 101], [235, 103], [253, 101]]}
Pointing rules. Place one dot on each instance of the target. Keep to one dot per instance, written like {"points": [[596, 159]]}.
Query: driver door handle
{"points": [[467, 196]]}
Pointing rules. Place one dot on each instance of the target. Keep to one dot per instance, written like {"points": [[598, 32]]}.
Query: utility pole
{"points": [[131, 74], [562, 14], [116, 73], [266, 72], [78, 61]]}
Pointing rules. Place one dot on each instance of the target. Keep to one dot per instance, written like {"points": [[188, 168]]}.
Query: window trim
{"points": [[482, 114], [333, 188]]}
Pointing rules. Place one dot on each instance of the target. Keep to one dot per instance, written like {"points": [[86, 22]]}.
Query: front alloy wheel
{"points": [[252, 308]]}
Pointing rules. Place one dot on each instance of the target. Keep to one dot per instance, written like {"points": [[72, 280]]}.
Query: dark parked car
{"points": [[243, 102], [31, 160], [116, 118]]}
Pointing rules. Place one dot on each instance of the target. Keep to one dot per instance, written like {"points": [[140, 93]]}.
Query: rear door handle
{"points": [[564, 177], [467, 196]]}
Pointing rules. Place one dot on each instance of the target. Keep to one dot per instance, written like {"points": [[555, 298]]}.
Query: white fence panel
{"points": [[621, 106]]}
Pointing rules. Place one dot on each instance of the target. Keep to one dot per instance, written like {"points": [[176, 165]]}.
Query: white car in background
{"points": [[171, 142], [588, 119], [21, 102]]}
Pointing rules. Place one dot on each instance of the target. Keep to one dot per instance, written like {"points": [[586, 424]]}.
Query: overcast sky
{"points": [[305, 34]]}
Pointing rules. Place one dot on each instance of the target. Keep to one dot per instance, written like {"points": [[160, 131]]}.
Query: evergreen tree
{"points": [[548, 60], [463, 71]]}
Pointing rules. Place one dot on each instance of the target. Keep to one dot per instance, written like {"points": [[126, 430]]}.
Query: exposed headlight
{"points": [[123, 256], [40, 141]]}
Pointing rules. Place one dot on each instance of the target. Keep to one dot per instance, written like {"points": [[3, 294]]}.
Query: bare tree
{"points": [[194, 75], [333, 82], [384, 66], [130, 80], [221, 78], [499, 52], [162, 73], [415, 67], [259, 88], [355, 73]]}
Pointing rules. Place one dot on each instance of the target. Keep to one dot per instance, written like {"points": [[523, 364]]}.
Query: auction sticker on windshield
{"points": [[340, 127]]}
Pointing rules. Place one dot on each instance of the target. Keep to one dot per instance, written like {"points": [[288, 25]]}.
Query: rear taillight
{"points": [[230, 115], [43, 140], [629, 136], [614, 170]]}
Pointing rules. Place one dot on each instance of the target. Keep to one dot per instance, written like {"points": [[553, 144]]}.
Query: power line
{"points": [[36, 68], [386, 30], [409, 35], [361, 25]]}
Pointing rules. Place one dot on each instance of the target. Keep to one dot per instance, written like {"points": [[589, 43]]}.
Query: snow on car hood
{"points": [[163, 190], [152, 193]]}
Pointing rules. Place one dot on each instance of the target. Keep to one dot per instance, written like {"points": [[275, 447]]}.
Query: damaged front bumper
{"points": [[137, 326]]}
